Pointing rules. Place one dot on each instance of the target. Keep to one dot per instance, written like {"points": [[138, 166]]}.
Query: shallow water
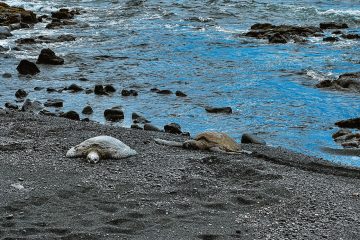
{"points": [[194, 46]]}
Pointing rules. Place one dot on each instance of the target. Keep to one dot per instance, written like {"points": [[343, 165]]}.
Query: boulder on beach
{"points": [[71, 115], [151, 127], [250, 138], [87, 110], [10, 15], [47, 56], [173, 128], [114, 114], [26, 67], [10, 105], [31, 106]]}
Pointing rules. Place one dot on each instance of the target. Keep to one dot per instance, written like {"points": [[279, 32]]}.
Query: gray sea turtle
{"points": [[211, 141], [101, 147]]}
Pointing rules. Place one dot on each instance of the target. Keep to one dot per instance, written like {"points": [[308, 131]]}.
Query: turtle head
{"points": [[93, 157]]}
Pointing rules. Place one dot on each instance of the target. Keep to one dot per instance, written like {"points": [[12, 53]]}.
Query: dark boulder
{"points": [[109, 89], [71, 115], [138, 118], [26, 67], [135, 126], [87, 110], [63, 13], [54, 103], [47, 56], [150, 127], [277, 38], [127, 93], [99, 90], [227, 110], [351, 36], [173, 128], [350, 123], [31, 106], [10, 15], [21, 93], [347, 81], [333, 25], [10, 105], [113, 114], [74, 88], [180, 94], [262, 26], [331, 39], [165, 92], [7, 75], [250, 138]]}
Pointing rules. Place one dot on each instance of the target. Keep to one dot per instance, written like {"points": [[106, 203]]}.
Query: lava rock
{"points": [[340, 133], [351, 36], [87, 110], [99, 90], [109, 89], [349, 123], [127, 93], [165, 92], [113, 114], [331, 39], [54, 103], [180, 94], [21, 93], [74, 88], [250, 138], [71, 115], [333, 25], [173, 128], [10, 105], [150, 127], [227, 110], [63, 13], [47, 56], [277, 38], [31, 106], [26, 67]]}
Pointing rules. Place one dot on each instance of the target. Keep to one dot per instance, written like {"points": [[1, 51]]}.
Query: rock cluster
{"points": [[345, 82], [12, 15]]}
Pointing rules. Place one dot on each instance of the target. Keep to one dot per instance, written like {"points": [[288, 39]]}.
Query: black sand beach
{"points": [[164, 192]]}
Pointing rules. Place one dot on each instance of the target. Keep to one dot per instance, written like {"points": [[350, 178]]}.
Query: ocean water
{"points": [[195, 47]]}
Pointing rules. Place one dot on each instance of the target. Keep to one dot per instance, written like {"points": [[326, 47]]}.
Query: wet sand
{"points": [[164, 192]]}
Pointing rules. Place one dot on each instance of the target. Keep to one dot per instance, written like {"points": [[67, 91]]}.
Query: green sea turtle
{"points": [[101, 147], [211, 141]]}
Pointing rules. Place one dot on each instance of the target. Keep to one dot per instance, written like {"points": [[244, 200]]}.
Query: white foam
{"points": [[348, 12], [317, 75]]}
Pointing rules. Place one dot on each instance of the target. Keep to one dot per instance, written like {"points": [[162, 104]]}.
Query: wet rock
{"points": [[127, 93], [173, 128], [10, 15], [154, 90], [71, 115], [349, 123], [250, 138], [138, 118], [331, 39], [282, 33], [180, 94], [340, 133], [46, 39], [337, 32], [113, 114], [83, 79], [227, 110], [74, 88], [63, 13], [26, 67], [85, 120], [55, 24], [25, 41], [4, 32], [348, 82], [7, 75], [21, 93], [333, 25], [47, 56], [165, 92], [351, 36], [54, 103], [31, 106], [87, 110], [99, 90], [109, 89], [135, 126], [88, 91], [277, 38], [47, 113], [38, 88], [151, 127], [50, 90], [10, 105]]}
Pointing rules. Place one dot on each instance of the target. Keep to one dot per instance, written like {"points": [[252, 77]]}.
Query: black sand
{"points": [[164, 192]]}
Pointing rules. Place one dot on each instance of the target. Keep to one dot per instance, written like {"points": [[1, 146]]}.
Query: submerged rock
{"points": [[333, 25], [47, 56], [180, 94], [21, 93], [7, 75], [26, 67], [227, 110]]}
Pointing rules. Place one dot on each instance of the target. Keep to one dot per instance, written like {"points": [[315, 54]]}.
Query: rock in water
{"points": [[227, 110], [249, 138], [47, 56], [101, 147], [350, 123], [113, 114], [87, 110], [21, 93], [26, 67]]}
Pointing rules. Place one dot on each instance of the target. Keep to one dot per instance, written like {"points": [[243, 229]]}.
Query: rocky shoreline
{"points": [[165, 192]]}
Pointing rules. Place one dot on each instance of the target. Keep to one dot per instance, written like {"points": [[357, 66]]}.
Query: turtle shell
{"points": [[217, 139]]}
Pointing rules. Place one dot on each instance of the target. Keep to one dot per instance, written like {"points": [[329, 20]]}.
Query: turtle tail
{"points": [[168, 143]]}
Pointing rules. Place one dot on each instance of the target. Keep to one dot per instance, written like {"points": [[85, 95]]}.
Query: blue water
{"points": [[160, 44]]}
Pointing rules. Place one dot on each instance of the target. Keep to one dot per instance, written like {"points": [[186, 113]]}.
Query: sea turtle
{"points": [[101, 147], [211, 141]]}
